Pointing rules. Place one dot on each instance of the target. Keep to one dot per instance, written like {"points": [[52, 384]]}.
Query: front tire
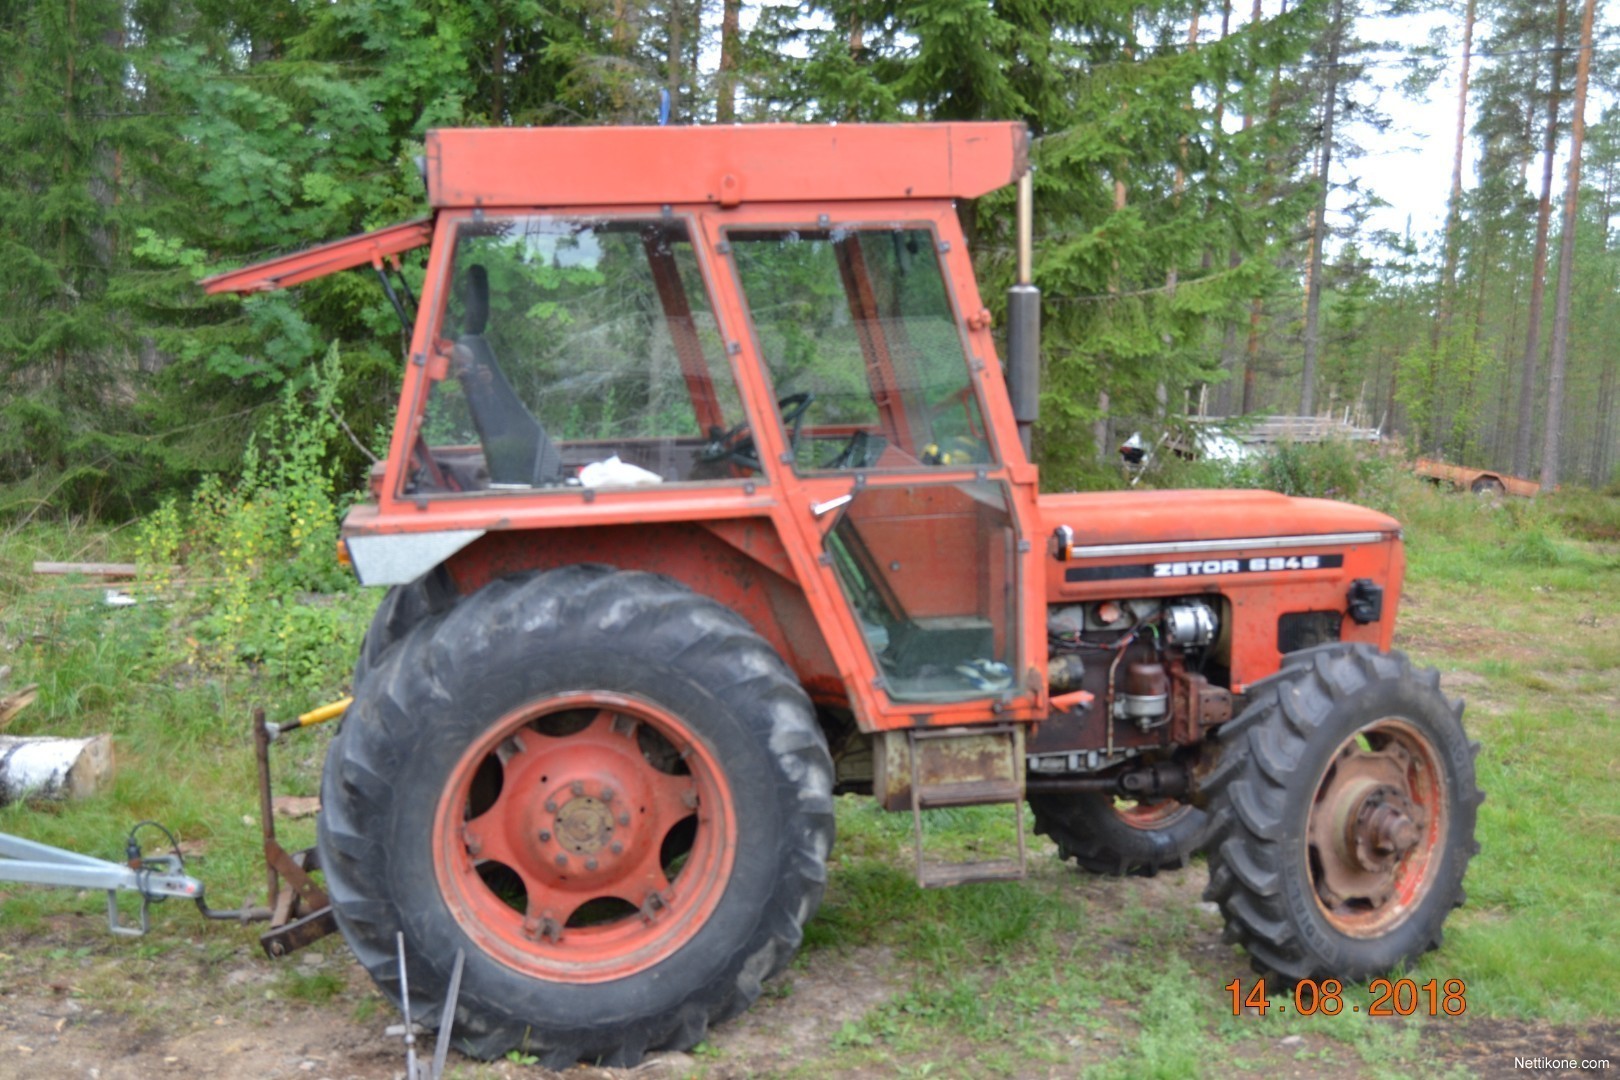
{"points": [[1343, 808], [606, 790], [1104, 835]]}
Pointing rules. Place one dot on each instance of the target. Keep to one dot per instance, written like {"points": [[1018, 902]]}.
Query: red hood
{"points": [[1123, 517]]}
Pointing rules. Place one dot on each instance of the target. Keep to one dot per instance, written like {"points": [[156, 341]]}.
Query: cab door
{"points": [[905, 490]]}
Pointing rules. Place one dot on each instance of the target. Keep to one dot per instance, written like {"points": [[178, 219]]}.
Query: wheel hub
{"points": [[1369, 832], [584, 825]]}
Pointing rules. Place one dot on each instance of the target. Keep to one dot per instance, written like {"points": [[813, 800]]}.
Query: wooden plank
{"points": [[14, 702], [89, 569]]}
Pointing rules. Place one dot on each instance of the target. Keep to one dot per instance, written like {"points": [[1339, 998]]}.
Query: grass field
{"points": [[1064, 974]]}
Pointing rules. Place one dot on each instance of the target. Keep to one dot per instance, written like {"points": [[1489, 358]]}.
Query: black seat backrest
{"points": [[516, 448]]}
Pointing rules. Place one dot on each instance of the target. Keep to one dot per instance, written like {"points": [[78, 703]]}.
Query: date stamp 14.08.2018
{"points": [[1383, 997]]}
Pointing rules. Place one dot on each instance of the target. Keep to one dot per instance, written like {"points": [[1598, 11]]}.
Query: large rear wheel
{"points": [[402, 607], [607, 790], [1343, 808]]}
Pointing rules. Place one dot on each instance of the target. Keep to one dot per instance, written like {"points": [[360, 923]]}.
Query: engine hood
{"points": [[1112, 518]]}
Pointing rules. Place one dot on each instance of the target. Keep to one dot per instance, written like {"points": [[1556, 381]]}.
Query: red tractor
{"points": [[709, 499]]}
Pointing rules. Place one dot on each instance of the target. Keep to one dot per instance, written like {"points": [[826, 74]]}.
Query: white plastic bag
{"points": [[616, 473]]}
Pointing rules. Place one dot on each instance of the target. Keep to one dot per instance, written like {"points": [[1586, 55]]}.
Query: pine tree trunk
{"points": [[676, 59], [1223, 392], [725, 105], [1538, 273], [1251, 351], [497, 64], [1551, 449], [1604, 439], [1313, 289], [1448, 280]]}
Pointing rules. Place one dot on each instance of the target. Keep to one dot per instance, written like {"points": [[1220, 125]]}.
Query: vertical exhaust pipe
{"points": [[1024, 321]]}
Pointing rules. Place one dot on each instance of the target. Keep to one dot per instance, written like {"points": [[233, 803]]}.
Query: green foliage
{"points": [[1349, 472], [263, 585]]}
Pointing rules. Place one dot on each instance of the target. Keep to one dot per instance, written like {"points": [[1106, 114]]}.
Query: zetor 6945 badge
{"points": [[709, 496]]}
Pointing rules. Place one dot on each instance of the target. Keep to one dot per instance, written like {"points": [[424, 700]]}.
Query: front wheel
{"points": [[1343, 808], [1105, 835], [607, 791]]}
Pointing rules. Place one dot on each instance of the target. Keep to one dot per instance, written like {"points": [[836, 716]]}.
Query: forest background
{"points": [[1202, 237]]}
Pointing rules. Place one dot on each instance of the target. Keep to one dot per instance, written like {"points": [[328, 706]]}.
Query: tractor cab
{"points": [[775, 321]]}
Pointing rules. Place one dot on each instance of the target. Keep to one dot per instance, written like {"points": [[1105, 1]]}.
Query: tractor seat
{"points": [[516, 447]]}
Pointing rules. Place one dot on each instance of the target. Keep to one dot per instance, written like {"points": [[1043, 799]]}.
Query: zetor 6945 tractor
{"points": [[709, 498]]}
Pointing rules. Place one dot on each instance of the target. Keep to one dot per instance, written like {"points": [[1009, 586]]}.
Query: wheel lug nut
{"points": [[544, 836], [607, 794], [624, 819], [551, 806], [577, 787], [590, 864], [562, 860], [617, 849]]}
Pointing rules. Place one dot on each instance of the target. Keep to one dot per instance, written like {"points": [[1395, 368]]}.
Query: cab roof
{"points": [[640, 166], [580, 166]]}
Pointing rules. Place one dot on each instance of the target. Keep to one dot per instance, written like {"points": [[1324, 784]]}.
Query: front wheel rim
{"points": [[1376, 834], [584, 837], [1151, 816]]}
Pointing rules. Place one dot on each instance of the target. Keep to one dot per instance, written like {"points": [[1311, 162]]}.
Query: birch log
{"points": [[42, 767]]}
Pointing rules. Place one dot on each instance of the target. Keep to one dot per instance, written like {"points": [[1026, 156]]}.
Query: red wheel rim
{"points": [[585, 837], [1377, 828], [1150, 815]]}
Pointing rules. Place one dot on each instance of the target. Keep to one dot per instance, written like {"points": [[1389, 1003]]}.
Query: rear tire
{"points": [[521, 774], [401, 609], [1343, 807], [1105, 837]]}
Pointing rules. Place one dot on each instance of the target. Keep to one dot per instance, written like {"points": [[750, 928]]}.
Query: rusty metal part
{"points": [[1109, 695], [972, 763], [1162, 780], [1065, 672], [1195, 704], [1146, 679], [267, 821], [1371, 837], [300, 912], [1146, 696], [584, 824], [996, 776], [289, 937]]}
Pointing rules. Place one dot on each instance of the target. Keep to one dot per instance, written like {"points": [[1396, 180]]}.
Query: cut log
{"points": [[42, 767]]}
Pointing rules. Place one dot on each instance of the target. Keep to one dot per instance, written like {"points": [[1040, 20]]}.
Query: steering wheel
{"points": [[863, 448], [738, 444]]}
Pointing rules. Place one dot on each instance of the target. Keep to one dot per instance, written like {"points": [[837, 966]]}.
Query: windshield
{"points": [[867, 360], [574, 352]]}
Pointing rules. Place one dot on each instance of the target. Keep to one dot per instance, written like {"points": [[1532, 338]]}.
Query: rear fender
{"points": [[740, 563]]}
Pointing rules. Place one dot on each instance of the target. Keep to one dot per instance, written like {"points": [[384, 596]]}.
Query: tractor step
{"points": [[975, 766]]}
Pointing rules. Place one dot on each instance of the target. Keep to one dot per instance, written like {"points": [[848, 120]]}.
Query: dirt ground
{"points": [[77, 1004]]}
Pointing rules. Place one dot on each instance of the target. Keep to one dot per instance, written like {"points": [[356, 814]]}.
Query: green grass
{"points": [[181, 734]]}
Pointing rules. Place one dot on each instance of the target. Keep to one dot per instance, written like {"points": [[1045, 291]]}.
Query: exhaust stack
{"points": [[1024, 321]]}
